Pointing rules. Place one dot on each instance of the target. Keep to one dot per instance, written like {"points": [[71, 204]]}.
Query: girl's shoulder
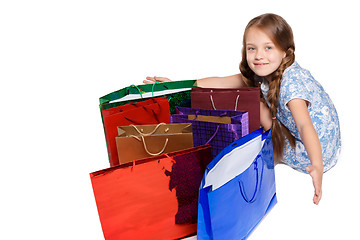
{"points": [[297, 77], [296, 80], [296, 72]]}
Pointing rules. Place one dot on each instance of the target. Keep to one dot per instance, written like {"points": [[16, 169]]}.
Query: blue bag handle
{"points": [[241, 184]]}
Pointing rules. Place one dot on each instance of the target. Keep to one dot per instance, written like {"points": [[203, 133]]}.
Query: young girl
{"points": [[304, 122]]}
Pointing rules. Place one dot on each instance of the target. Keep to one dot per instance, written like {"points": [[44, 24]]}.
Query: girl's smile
{"points": [[260, 64]]}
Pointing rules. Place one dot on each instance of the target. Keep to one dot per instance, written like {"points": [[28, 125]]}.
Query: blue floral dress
{"points": [[299, 83]]}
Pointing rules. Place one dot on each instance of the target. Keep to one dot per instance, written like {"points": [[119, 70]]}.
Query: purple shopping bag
{"points": [[218, 128]]}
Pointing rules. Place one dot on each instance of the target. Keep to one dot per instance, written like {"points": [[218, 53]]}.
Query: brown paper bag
{"points": [[141, 141]]}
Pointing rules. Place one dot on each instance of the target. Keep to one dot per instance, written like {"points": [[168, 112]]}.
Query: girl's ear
{"points": [[284, 55]]}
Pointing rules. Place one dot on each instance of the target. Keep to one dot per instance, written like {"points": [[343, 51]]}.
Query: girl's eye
{"points": [[251, 49], [268, 48]]}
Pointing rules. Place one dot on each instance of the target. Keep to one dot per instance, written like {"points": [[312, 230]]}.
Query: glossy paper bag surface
{"points": [[242, 99], [156, 198], [238, 189]]}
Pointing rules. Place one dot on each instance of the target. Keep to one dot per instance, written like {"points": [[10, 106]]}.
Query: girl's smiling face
{"points": [[262, 55]]}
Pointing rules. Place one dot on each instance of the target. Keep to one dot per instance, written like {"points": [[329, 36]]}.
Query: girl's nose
{"points": [[259, 55]]}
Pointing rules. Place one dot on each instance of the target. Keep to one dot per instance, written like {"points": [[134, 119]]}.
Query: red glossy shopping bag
{"points": [[152, 111], [153, 198]]}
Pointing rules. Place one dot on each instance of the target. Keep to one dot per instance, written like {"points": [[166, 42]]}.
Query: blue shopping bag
{"points": [[237, 189]]}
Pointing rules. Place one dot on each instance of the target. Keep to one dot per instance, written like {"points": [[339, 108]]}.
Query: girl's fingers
{"points": [[148, 82], [151, 80], [161, 79], [317, 198], [316, 182]]}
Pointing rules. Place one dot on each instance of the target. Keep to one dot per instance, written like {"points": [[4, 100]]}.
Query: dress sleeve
{"points": [[295, 84]]}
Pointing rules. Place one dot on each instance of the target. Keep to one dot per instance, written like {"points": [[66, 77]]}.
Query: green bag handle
{"points": [[139, 89]]}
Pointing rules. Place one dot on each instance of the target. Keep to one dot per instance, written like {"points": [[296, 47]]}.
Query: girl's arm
{"points": [[265, 116], [233, 81], [300, 113]]}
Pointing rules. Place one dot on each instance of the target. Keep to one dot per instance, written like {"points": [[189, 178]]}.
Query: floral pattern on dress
{"points": [[298, 83]]}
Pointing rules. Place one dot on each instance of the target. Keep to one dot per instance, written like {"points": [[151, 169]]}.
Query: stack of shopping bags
{"points": [[184, 161]]}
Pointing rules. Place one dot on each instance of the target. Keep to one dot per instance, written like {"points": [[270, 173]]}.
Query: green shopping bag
{"points": [[177, 92]]}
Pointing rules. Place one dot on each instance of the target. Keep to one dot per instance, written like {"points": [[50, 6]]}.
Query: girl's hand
{"points": [[151, 80], [299, 111], [316, 173]]}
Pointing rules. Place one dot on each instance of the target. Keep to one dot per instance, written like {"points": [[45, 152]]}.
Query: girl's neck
{"points": [[263, 79]]}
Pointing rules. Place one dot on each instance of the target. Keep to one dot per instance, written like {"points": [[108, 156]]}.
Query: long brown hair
{"points": [[281, 35]]}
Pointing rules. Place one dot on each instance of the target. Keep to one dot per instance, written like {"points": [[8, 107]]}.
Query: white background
{"points": [[58, 57]]}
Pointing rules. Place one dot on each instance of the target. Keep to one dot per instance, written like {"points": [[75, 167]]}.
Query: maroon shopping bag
{"points": [[153, 198], [242, 99], [152, 111]]}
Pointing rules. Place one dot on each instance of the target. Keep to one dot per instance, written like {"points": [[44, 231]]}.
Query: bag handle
{"points": [[257, 186], [141, 131], [166, 155], [141, 139], [153, 88], [137, 122], [136, 104], [133, 85], [211, 138], [236, 101], [171, 158], [154, 114], [198, 112]]}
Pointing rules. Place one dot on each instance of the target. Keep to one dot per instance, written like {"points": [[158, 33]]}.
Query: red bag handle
{"points": [[152, 111], [137, 122]]}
